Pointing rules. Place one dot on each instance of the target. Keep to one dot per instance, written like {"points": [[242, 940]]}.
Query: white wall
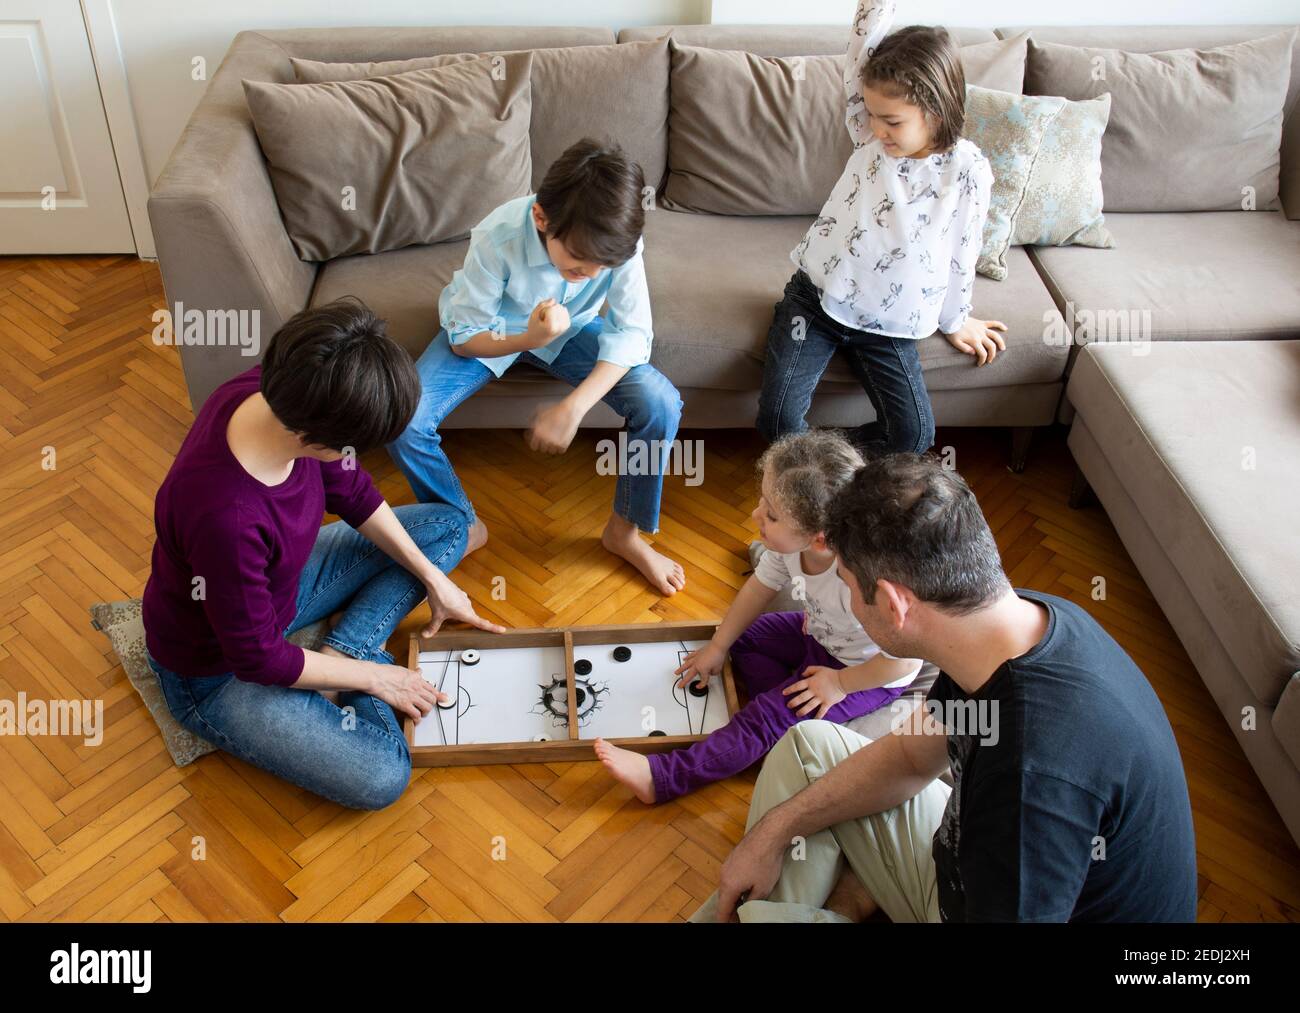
{"points": [[160, 38], [992, 13]]}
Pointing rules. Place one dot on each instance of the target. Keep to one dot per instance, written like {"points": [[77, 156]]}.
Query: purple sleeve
{"points": [[349, 491], [229, 551]]}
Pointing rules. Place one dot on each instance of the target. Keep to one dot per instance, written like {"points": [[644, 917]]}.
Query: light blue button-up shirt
{"points": [[508, 272]]}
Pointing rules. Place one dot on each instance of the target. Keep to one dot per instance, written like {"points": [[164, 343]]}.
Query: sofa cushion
{"points": [[759, 135], [776, 40], [1189, 128], [1009, 130], [1200, 276], [1203, 436], [1063, 199], [378, 164], [613, 92], [714, 283]]}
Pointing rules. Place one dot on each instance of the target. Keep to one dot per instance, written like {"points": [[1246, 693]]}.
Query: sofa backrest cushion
{"points": [[763, 135], [382, 163], [776, 40], [612, 92], [1189, 128], [1161, 38]]}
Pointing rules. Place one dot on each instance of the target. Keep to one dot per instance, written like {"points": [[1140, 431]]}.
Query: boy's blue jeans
{"points": [[644, 397], [358, 759]]}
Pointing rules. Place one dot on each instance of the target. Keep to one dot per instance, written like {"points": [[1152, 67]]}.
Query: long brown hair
{"points": [[920, 65]]}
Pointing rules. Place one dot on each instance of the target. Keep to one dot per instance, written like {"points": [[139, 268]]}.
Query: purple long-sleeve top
{"points": [[248, 542]]}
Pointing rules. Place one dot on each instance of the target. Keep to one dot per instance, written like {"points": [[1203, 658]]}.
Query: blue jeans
{"points": [[889, 370], [645, 398], [358, 759]]}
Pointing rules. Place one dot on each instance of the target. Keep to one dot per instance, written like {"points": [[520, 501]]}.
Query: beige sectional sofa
{"points": [[1217, 289]]}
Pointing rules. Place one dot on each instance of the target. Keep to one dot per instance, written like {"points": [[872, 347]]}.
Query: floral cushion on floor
{"points": [[120, 621]]}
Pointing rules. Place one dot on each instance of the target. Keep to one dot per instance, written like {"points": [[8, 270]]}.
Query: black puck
{"points": [[657, 732], [698, 688], [580, 695], [622, 653], [582, 666]]}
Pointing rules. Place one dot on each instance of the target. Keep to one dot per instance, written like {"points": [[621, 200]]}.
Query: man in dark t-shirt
{"points": [[1069, 801], [1078, 809]]}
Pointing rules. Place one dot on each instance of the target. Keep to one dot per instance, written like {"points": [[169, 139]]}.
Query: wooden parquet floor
{"points": [[110, 832]]}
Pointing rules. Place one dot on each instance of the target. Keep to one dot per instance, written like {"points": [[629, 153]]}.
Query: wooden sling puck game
{"points": [[535, 695]]}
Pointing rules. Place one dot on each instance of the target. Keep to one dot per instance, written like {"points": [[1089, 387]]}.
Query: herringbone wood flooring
{"points": [[108, 832]]}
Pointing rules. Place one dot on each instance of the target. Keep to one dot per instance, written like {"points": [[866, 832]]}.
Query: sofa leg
{"points": [[1081, 494], [1021, 437]]}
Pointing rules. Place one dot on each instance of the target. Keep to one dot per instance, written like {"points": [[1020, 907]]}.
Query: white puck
{"points": [[469, 657]]}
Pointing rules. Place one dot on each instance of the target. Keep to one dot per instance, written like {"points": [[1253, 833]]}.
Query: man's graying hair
{"points": [[907, 519], [807, 471]]}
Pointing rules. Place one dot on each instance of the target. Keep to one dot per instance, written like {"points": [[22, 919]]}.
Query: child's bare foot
{"points": [[622, 538], [850, 898], [477, 537], [628, 768]]}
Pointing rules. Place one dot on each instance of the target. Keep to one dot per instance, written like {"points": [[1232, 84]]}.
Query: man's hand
{"points": [[819, 690], [701, 665], [448, 602], [979, 338], [553, 428], [752, 869], [547, 322]]}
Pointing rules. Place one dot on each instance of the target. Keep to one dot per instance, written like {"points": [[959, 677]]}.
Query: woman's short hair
{"points": [[333, 374]]}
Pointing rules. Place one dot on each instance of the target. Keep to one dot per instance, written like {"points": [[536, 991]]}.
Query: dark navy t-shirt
{"points": [[1070, 802]]}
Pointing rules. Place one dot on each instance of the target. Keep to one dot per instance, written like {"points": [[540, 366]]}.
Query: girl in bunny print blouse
{"points": [[891, 258]]}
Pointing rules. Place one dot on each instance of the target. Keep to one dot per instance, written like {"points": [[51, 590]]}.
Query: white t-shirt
{"points": [[895, 246], [826, 600]]}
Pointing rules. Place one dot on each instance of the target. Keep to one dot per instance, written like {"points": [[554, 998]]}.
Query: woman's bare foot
{"points": [[628, 768], [477, 537], [850, 898], [622, 538]]}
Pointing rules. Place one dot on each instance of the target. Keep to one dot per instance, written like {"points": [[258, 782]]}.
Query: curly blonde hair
{"points": [[808, 470]]}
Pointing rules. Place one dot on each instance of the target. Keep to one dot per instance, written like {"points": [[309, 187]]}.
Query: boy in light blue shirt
{"points": [[537, 272]]}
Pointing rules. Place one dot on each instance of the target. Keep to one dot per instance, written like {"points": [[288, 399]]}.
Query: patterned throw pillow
{"points": [[1009, 130], [1063, 200]]}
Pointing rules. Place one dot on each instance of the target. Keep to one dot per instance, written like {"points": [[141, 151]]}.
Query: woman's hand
{"points": [[406, 691], [448, 602], [701, 664], [979, 338], [818, 690]]}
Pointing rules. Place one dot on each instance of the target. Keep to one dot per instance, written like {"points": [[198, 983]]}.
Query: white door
{"points": [[59, 187]]}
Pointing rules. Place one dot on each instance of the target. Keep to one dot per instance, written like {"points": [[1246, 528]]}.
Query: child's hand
{"points": [[553, 428], [547, 322], [979, 338], [701, 664], [818, 690]]}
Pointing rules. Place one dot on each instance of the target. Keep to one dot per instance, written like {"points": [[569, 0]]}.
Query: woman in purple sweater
{"points": [[241, 560]]}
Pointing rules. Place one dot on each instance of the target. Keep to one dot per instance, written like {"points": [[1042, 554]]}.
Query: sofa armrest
{"points": [[1289, 173], [222, 245]]}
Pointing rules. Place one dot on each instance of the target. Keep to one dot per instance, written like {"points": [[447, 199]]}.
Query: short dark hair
{"points": [[592, 196], [334, 375], [908, 519], [921, 65]]}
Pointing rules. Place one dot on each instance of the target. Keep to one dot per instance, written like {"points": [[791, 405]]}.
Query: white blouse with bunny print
{"points": [[895, 247]]}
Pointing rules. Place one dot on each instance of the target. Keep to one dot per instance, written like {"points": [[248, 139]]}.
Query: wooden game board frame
{"points": [[561, 750]]}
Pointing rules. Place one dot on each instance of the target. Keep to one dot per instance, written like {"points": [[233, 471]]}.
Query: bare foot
{"points": [[622, 538], [477, 537], [628, 768], [850, 898]]}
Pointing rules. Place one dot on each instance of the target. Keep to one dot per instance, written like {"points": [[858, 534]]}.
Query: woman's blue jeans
{"points": [[352, 753]]}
